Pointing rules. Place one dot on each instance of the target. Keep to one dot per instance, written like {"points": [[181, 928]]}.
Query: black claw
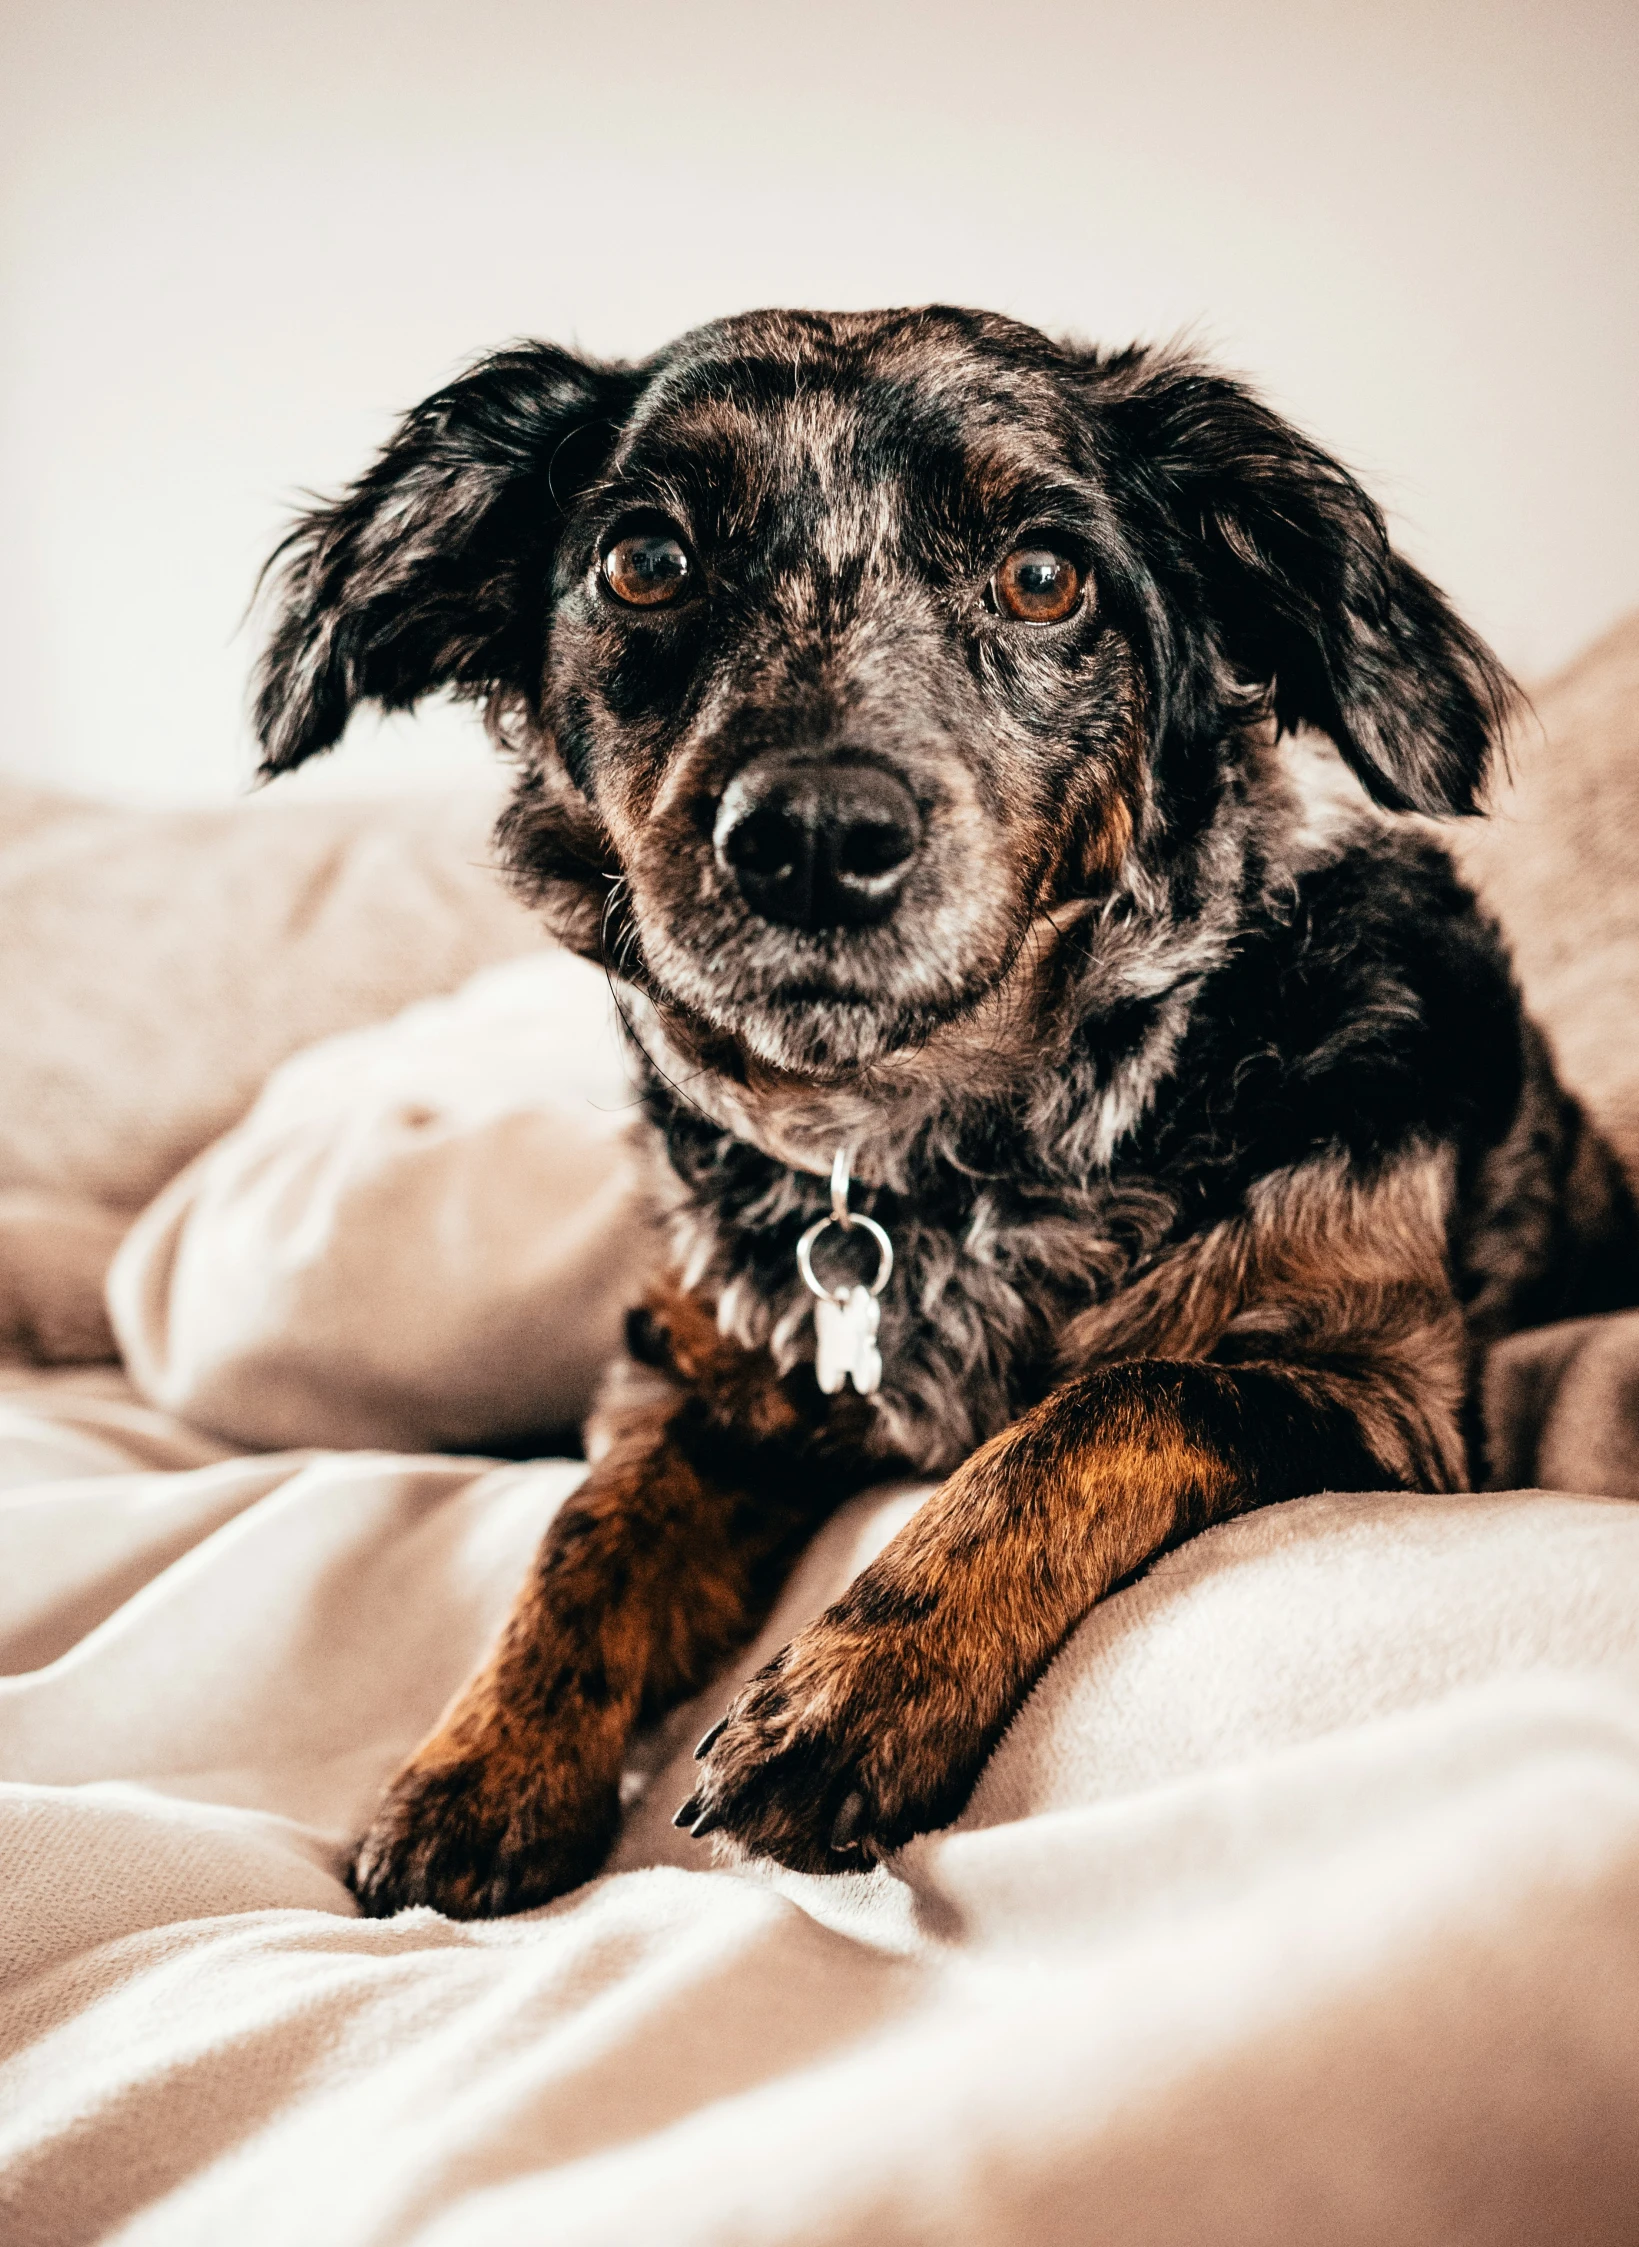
{"points": [[711, 1739], [689, 1812], [848, 1821], [706, 1824]]}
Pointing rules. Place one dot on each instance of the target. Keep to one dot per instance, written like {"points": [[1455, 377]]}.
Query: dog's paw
{"points": [[847, 1744], [477, 1842]]}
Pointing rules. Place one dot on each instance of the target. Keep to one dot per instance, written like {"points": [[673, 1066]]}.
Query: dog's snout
{"points": [[813, 843]]}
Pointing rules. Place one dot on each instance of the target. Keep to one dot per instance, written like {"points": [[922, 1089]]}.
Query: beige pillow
{"points": [[1559, 865], [158, 966], [425, 1234]]}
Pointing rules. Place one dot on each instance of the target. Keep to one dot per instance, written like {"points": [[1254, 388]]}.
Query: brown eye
{"points": [[1037, 585], [647, 568]]}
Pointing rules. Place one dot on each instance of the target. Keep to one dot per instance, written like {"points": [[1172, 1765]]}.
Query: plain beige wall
{"points": [[237, 239]]}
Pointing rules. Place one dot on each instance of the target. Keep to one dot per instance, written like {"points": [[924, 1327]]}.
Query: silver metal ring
{"points": [[805, 1256], [840, 1180]]}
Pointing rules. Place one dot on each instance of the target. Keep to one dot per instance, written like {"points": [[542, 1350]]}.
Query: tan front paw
{"points": [[477, 1838], [845, 1745]]}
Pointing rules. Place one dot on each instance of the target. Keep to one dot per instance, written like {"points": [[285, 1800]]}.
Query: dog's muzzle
{"points": [[817, 842]]}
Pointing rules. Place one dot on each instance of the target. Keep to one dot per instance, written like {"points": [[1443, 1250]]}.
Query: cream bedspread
{"points": [[1301, 1903]]}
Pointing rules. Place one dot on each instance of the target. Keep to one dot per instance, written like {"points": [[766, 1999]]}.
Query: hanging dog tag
{"points": [[845, 1333], [846, 1318]]}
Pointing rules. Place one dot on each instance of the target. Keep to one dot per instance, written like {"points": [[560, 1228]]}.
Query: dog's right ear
{"points": [[432, 570]]}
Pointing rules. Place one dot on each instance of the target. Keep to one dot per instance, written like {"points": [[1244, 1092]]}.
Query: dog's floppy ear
{"points": [[432, 570], [1288, 563]]}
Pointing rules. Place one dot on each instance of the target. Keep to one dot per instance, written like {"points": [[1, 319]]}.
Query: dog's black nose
{"points": [[817, 844]]}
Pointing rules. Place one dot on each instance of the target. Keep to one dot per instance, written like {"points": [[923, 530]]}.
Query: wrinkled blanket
{"points": [[1300, 1904]]}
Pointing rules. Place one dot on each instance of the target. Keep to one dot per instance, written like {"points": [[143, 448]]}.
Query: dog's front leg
{"points": [[661, 1564], [872, 1725]]}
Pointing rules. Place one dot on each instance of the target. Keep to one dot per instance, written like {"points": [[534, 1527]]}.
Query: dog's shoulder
{"points": [[1366, 1003]]}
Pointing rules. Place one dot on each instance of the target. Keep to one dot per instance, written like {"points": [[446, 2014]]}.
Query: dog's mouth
{"points": [[822, 910], [812, 1025]]}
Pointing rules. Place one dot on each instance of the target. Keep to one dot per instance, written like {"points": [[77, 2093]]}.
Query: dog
{"points": [[998, 775]]}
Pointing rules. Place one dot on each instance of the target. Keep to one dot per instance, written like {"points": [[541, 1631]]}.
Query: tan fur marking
{"points": [[1110, 841], [1324, 1269]]}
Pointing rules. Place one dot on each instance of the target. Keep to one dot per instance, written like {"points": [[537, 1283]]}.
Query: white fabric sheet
{"points": [[1301, 1903]]}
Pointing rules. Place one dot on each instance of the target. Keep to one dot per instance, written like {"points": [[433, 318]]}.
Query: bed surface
{"points": [[1301, 1902]]}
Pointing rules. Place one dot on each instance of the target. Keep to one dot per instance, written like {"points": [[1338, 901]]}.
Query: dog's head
{"points": [[840, 652]]}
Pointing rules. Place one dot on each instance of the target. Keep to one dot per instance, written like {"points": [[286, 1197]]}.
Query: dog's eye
{"points": [[1036, 585], [646, 568]]}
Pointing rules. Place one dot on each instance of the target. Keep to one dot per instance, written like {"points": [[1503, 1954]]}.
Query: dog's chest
{"points": [[996, 1250], [986, 1278]]}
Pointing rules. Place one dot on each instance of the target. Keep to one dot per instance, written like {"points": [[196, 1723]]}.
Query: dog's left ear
{"points": [[432, 570], [1287, 561]]}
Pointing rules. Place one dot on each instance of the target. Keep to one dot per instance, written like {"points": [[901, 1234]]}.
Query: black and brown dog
{"points": [[903, 706]]}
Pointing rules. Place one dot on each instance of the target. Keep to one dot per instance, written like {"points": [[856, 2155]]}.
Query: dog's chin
{"points": [[823, 1017], [823, 1041], [801, 1036]]}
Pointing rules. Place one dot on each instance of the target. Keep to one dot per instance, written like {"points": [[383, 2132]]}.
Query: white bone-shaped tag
{"points": [[845, 1342]]}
